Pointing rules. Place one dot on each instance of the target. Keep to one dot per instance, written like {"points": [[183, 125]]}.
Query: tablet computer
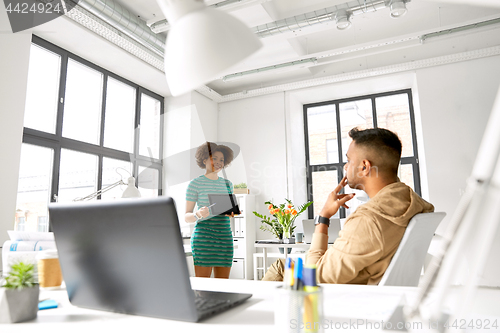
{"points": [[223, 204]]}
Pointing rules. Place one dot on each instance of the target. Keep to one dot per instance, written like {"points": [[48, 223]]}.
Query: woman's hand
{"points": [[203, 212]]}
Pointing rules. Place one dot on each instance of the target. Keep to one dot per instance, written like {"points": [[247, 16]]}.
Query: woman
{"points": [[212, 240]]}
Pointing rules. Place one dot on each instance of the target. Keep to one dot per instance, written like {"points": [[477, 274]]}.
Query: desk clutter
{"points": [[37, 248], [299, 302]]}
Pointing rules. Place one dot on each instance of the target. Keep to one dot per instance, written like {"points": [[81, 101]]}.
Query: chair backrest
{"points": [[406, 264]]}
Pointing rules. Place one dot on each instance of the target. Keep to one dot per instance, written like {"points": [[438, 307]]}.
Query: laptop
{"points": [[127, 256], [333, 230], [223, 204]]}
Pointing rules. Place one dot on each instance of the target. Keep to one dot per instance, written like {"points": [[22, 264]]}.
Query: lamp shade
{"points": [[131, 191], [202, 44]]}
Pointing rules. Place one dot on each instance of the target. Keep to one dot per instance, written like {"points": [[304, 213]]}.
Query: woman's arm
{"points": [[190, 216]]}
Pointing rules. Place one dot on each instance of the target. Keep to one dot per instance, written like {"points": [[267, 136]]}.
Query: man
{"points": [[371, 235]]}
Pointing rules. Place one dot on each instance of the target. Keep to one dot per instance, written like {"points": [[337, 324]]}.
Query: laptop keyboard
{"points": [[206, 304]]}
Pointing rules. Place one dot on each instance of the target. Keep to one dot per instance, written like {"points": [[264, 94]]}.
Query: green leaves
{"points": [[20, 276]]}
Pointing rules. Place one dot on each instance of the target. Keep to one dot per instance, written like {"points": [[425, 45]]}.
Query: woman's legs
{"points": [[200, 271], [222, 272]]}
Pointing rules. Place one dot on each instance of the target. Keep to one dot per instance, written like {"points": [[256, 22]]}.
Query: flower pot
{"points": [[17, 306]]}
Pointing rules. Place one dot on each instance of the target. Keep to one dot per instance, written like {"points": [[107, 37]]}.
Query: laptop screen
{"points": [[124, 256]]}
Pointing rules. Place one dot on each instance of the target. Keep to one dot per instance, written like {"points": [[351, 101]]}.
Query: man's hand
{"points": [[336, 200]]}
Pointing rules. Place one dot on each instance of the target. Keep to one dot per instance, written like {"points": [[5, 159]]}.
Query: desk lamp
{"points": [[130, 192], [202, 43]]}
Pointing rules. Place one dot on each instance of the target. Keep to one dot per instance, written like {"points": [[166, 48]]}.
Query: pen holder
{"points": [[299, 311]]}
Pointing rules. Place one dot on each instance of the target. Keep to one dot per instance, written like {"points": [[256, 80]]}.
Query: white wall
{"points": [[14, 62], [257, 125], [456, 101]]}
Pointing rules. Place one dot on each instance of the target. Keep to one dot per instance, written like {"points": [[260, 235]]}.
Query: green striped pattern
{"points": [[212, 240]]}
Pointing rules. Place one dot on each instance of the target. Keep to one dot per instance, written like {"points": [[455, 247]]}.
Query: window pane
{"points": [[120, 116], [82, 106], [322, 131], [77, 175], [150, 127], [354, 114], [406, 175], [393, 113], [43, 90], [33, 192], [148, 182], [323, 183], [112, 171]]}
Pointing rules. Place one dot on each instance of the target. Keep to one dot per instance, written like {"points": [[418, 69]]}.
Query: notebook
{"points": [[333, 230], [127, 256], [223, 204]]}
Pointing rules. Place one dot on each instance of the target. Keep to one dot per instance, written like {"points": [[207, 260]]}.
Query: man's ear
{"points": [[366, 167]]}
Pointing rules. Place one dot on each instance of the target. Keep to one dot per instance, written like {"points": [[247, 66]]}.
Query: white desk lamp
{"points": [[202, 43], [130, 192]]}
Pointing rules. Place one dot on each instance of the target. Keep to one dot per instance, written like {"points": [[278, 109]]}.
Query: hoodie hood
{"points": [[397, 203]]}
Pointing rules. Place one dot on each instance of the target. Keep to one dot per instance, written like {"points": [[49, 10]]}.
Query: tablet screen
{"points": [[223, 204]]}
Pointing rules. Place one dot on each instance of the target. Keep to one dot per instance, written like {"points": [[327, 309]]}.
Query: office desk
{"points": [[277, 246], [344, 304]]}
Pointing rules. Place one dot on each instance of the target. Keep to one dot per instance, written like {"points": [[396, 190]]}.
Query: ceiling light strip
{"points": [[303, 63], [408, 66], [113, 35], [459, 29]]}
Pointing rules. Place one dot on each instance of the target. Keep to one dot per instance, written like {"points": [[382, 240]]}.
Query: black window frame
{"points": [[57, 142], [339, 166]]}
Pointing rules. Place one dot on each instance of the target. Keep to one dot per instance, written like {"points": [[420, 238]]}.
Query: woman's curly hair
{"points": [[208, 148]]}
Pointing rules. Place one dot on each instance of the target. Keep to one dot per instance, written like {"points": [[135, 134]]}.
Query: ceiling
{"points": [[373, 40]]}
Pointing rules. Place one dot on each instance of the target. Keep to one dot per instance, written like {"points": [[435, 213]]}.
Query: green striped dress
{"points": [[212, 240]]}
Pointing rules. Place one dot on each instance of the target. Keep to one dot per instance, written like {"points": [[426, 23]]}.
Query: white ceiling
{"points": [[373, 40]]}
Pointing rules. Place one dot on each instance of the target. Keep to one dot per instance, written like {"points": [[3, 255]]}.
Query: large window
{"points": [[327, 125], [85, 128]]}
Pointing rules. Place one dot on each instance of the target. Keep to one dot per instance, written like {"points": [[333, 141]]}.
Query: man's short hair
{"points": [[383, 142]]}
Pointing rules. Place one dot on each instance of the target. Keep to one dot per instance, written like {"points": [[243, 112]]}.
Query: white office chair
{"points": [[406, 265]]}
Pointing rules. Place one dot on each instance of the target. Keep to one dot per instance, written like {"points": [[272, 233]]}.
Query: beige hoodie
{"points": [[369, 238]]}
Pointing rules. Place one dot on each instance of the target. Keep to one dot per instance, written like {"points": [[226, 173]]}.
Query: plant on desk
{"points": [[21, 294], [282, 222]]}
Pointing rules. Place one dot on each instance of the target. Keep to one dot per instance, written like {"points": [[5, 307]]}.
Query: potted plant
{"points": [[282, 222], [241, 189], [20, 302]]}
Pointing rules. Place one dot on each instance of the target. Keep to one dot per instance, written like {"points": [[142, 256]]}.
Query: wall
{"points": [[14, 62], [257, 125], [456, 101]]}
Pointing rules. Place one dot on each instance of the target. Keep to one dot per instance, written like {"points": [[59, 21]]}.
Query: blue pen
{"points": [[297, 275], [288, 277]]}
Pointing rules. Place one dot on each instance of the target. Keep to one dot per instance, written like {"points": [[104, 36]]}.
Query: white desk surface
{"points": [[256, 315], [276, 245]]}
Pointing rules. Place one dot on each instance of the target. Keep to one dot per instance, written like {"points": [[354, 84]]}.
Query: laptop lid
{"points": [[223, 204], [333, 230], [125, 256]]}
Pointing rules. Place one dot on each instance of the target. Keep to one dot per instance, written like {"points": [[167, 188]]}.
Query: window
{"points": [[85, 129], [327, 125]]}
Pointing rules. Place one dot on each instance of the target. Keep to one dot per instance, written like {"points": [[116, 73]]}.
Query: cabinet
{"points": [[243, 227]]}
